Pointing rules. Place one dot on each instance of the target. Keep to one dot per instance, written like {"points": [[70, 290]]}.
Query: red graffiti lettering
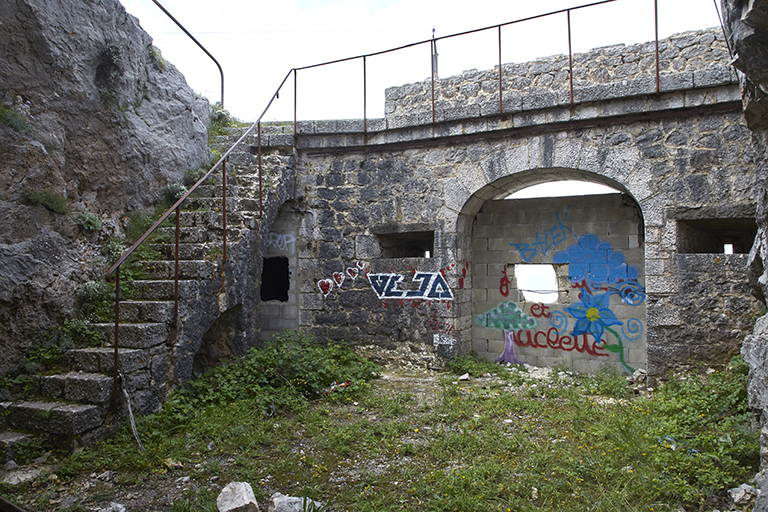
{"points": [[552, 339], [540, 310], [504, 283]]}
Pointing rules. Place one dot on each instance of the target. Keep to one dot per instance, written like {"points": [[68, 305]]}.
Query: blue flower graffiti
{"points": [[595, 262], [593, 266], [592, 315]]}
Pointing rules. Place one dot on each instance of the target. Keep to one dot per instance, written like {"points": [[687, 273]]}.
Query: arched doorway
{"points": [[558, 281]]}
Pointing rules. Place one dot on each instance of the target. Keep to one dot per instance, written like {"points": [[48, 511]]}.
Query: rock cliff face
{"points": [[89, 112], [747, 27]]}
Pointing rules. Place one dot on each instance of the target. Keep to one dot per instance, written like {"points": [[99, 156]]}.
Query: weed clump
{"points": [[286, 372], [89, 222], [52, 201]]}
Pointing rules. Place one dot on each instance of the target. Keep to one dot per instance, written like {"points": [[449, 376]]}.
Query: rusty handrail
{"points": [[113, 274], [432, 42], [221, 71]]}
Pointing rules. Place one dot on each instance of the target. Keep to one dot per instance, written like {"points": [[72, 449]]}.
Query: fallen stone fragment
{"points": [[282, 503], [237, 497], [742, 495], [464, 377], [113, 507], [19, 476]]}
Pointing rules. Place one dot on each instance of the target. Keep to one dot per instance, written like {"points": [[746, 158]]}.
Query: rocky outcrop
{"points": [[747, 27], [92, 115]]}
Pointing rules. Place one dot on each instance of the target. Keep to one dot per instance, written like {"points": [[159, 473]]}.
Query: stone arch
{"points": [[545, 345]]}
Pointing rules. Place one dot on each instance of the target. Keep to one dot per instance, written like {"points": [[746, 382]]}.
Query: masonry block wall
{"points": [[594, 248]]}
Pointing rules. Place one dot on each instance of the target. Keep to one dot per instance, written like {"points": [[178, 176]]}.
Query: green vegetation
{"points": [[89, 222], [156, 57], [508, 441], [45, 353], [10, 117], [52, 201]]}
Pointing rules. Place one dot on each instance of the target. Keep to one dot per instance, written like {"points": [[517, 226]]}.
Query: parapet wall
{"points": [[688, 60]]}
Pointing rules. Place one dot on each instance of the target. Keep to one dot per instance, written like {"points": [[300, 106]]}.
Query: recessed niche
{"points": [[275, 279], [715, 236], [414, 244]]}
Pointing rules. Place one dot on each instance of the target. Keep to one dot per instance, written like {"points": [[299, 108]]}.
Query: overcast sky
{"points": [[257, 42]]}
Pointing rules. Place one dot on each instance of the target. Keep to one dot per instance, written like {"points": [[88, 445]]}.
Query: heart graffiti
{"points": [[325, 285]]}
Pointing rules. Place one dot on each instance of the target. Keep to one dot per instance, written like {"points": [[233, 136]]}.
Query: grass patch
{"points": [[488, 444], [52, 201]]}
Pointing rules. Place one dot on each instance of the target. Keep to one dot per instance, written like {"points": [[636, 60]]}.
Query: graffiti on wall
{"points": [[551, 239], [326, 285], [430, 286], [597, 272], [509, 318], [281, 242]]}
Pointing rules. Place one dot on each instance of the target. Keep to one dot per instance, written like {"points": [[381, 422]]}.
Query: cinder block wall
{"points": [[595, 244]]}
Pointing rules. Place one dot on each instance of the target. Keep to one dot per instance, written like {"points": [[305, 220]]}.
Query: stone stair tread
{"points": [[83, 387], [55, 417], [102, 359], [138, 335]]}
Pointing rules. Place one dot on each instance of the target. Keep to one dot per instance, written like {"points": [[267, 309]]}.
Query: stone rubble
{"points": [[237, 497]]}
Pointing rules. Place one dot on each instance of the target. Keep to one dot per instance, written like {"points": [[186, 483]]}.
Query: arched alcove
{"points": [[590, 310]]}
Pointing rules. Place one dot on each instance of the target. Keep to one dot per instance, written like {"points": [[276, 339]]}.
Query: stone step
{"points": [[164, 290], [102, 359], [166, 269], [214, 204], [85, 388], [198, 235], [10, 442], [213, 219], [144, 335], [213, 190], [187, 251], [55, 417], [137, 311]]}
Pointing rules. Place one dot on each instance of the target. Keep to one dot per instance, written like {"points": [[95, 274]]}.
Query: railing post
{"points": [[365, 97], [117, 337], [570, 54], [656, 26], [261, 177], [175, 327], [295, 107], [501, 108], [432, 66], [224, 210]]}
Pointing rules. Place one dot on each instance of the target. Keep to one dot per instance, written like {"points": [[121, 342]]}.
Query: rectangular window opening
{"points": [[415, 244], [715, 236], [275, 279], [537, 283]]}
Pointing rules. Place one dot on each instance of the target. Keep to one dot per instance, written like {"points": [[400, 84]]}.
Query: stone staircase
{"points": [[74, 407]]}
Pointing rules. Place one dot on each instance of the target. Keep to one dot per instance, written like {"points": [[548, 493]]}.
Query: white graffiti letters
{"points": [[281, 242], [432, 286]]}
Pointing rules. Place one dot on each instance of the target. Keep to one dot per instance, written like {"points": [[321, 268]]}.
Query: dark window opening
{"points": [[715, 236], [415, 244], [275, 279]]}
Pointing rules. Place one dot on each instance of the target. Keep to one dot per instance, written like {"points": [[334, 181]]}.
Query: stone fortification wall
{"points": [[687, 60], [684, 156]]}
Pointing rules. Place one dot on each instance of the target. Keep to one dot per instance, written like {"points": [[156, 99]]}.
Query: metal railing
{"points": [[113, 274]]}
